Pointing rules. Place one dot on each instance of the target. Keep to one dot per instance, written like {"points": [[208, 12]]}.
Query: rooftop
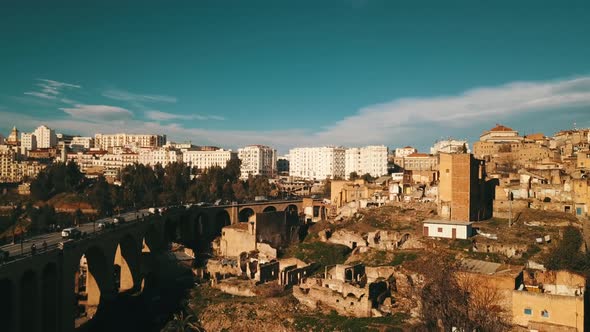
{"points": [[418, 154], [499, 127], [489, 268], [446, 222]]}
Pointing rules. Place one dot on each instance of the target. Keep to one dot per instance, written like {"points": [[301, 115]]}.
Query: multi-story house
{"points": [[106, 141], [204, 159], [317, 163], [369, 159], [257, 160]]}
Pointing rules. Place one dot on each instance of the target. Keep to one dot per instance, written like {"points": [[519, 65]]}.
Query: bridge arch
{"points": [[91, 279], [222, 219], [7, 313], [291, 208], [269, 208], [151, 240], [245, 214], [29, 301], [127, 264], [49, 305]]}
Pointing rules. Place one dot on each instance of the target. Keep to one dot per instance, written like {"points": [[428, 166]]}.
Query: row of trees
{"points": [[143, 185]]}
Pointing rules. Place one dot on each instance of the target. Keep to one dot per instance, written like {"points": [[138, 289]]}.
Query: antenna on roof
{"points": [[575, 126]]}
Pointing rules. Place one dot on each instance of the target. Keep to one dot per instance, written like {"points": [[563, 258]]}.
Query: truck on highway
{"points": [[71, 233]]}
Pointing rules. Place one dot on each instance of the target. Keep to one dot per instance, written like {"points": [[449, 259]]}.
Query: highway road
{"points": [[52, 239]]}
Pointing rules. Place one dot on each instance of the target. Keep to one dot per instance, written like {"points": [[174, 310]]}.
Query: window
{"points": [[440, 229], [545, 314], [528, 311]]}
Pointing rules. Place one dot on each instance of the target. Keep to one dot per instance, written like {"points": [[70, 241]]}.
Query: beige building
{"points": [[583, 159], [105, 141], [552, 301], [344, 192], [419, 162], [463, 195], [204, 159]]}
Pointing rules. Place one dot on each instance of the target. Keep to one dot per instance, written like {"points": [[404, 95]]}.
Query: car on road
{"points": [[102, 225], [118, 220], [71, 233]]}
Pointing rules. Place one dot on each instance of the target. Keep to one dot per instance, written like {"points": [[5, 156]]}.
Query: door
{"points": [[454, 233], [425, 232]]}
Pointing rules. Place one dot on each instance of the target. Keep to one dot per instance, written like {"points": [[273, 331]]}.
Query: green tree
{"points": [[100, 196], [566, 254], [367, 177], [353, 176], [463, 148]]}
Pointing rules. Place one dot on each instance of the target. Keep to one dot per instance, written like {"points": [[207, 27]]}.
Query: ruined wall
{"points": [[236, 240], [268, 272], [346, 304]]}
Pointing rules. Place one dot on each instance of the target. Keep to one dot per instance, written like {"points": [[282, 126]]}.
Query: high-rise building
{"points": [[105, 141], [257, 160], [28, 142], [46, 137], [369, 159], [317, 163]]}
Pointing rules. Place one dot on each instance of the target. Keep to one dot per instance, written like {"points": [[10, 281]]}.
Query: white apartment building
{"points": [[404, 152], [105, 141], [369, 159], [160, 156], [449, 146], [82, 143], [257, 160], [203, 159], [317, 163], [28, 142], [46, 137]]}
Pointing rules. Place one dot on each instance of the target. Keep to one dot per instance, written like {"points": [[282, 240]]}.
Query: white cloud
{"points": [[164, 116], [400, 121], [98, 112], [137, 98]]}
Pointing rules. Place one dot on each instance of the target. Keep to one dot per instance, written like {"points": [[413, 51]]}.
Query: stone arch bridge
{"points": [[43, 292]]}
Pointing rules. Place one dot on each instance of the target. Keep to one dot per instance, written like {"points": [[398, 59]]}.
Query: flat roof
{"points": [[447, 222]]}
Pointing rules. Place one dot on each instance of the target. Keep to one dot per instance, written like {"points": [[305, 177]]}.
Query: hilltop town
{"points": [[489, 236]]}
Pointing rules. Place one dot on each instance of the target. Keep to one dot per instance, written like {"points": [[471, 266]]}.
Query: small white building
{"points": [[447, 229]]}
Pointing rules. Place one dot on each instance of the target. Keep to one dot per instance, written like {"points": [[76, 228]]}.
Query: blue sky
{"points": [[295, 73]]}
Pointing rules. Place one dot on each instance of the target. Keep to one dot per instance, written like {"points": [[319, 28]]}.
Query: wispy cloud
{"points": [[164, 116], [40, 95], [98, 113], [50, 89], [137, 98]]}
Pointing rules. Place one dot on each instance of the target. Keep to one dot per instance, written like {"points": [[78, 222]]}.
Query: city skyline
{"points": [[284, 76]]}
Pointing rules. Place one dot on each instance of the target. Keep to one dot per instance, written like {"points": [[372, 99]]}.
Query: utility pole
{"points": [[510, 198]]}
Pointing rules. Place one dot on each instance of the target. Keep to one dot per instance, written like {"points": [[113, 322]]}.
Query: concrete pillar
{"points": [[234, 214]]}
